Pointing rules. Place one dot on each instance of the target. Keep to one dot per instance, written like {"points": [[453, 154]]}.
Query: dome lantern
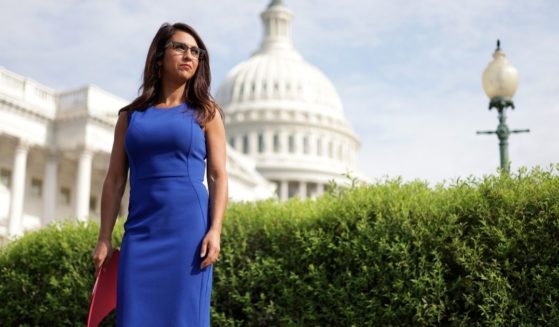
{"points": [[277, 30]]}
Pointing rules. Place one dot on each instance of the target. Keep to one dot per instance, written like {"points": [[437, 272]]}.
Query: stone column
{"points": [[324, 146], [51, 188], [283, 190], [268, 141], [284, 142], [312, 144], [83, 184], [299, 142], [18, 189], [252, 143], [303, 190]]}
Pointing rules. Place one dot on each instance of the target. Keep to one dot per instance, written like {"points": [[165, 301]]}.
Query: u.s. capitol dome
{"points": [[286, 115]]}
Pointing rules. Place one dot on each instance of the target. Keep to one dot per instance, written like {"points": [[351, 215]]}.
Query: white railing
{"points": [[45, 101], [101, 102], [40, 98], [75, 100]]}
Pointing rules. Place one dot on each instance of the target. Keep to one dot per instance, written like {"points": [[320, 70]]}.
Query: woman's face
{"points": [[179, 63]]}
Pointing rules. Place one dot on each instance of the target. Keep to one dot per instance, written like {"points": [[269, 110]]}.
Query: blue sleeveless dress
{"points": [[159, 281]]}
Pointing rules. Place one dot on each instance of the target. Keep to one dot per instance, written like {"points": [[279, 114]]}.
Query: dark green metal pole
{"points": [[503, 135], [503, 131]]}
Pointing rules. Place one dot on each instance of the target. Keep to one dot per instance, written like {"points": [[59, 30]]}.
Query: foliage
{"points": [[474, 252], [46, 276]]}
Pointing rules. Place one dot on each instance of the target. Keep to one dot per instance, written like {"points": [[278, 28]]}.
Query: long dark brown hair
{"points": [[197, 90]]}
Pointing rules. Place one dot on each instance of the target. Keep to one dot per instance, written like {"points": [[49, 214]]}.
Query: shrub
{"points": [[474, 252], [46, 276]]}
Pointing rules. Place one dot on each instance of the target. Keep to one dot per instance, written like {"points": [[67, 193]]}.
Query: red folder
{"points": [[103, 297]]}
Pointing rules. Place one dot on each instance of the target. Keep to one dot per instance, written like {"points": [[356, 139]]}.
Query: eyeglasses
{"points": [[182, 48]]}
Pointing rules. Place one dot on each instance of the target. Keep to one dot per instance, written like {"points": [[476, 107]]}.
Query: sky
{"points": [[408, 72]]}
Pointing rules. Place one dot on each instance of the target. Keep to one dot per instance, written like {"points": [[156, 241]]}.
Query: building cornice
{"points": [[23, 108]]}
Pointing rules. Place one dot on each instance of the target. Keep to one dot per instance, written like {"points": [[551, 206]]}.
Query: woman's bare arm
{"points": [[216, 172], [217, 188], [115, 180]]}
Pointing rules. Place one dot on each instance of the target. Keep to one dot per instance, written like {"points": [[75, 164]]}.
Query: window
{"points": [[245, 144], [319, 147], [292, 189], [306, 145], [64, 197], [312, 190], [232, 142], [261, 147], [36, 187], [6, 177], [276, 142], [330, 149], [291, 143]]}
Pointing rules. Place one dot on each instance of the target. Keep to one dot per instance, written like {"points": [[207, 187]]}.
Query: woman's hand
{"points": [[211, 247], [102, 255]]}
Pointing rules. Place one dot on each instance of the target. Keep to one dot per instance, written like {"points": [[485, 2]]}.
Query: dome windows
{"points": [[245, 144], [291, 143], [276, 142], [261, 143], [319, 147], [241, 90], [252, 90]]}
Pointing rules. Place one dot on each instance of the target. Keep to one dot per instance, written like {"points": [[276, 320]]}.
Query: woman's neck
{"points": [[172, 94]]}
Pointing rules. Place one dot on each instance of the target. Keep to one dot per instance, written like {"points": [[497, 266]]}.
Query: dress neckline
{"points": [[170, 108]]}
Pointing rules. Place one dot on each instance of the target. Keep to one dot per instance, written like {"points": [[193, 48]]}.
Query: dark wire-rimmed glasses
{"points": [[182, 48]]}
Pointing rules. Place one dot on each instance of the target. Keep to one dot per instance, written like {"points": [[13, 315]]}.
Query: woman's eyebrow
{"points": [[189, 45]]}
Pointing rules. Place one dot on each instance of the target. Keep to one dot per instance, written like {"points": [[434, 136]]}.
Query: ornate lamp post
{"points": [[500, 81]]}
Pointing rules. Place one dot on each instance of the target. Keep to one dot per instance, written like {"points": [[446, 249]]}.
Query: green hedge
{"points": [[469, 252]]}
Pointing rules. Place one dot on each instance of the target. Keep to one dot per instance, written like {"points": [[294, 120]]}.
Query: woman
{"points": [[172, 234]]}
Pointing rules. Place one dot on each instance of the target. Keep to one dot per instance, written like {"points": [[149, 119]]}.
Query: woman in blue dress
{"points": [[166, 137]]}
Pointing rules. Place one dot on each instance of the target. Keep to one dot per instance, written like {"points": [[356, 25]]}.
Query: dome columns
{"points": [[18, 187]]}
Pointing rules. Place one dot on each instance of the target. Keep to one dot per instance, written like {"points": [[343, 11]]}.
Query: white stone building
{"points": [[286, 115], [55, 150], [284, 121]]}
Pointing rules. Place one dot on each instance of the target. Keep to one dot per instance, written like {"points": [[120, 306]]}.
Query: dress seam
{"points": [[190, 177], [201, 210]]}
